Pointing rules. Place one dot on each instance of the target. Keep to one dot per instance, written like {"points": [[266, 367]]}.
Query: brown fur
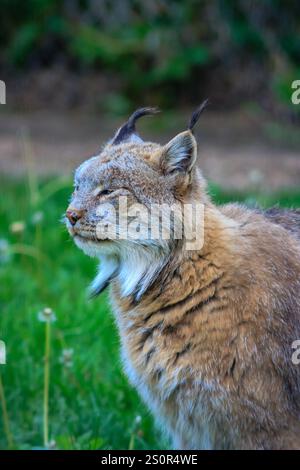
{"points": [[208, 344]]}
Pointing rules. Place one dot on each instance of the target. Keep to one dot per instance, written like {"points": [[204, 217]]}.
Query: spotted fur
{"points": [[206, 336]]}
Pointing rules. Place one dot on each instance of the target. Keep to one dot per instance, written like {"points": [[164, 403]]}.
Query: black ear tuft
{"points": [[196, 114], [128, 129], [138, 114]]}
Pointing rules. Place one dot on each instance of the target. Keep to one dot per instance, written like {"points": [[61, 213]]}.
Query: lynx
{"points": [[206, 335]]}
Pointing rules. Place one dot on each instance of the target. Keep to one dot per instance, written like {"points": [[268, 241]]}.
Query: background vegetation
{"points": [[165, 51]]}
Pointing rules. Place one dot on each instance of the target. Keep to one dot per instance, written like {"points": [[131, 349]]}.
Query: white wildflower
{"points": [[51, 445], [46, 315], [138, 420], [37, 217], [17, 227], [66, 357]]}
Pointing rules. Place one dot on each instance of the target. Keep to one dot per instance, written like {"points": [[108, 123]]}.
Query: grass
{"points": [[80, 400]]}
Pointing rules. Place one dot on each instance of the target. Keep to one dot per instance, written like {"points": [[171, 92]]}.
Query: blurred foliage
{"points": [[92, 405], [153, 44]]}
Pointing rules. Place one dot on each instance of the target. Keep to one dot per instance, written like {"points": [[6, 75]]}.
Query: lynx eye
{"points": [[102, 192], [76, 188]]}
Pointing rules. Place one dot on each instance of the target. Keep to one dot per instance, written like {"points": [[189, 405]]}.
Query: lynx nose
{"points": [[74, 215]]}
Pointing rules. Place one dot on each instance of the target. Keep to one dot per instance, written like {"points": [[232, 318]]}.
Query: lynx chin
{"points": [[205, 334]]}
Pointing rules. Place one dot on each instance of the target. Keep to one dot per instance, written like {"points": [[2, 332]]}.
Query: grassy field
{"points": [[90, 403]]}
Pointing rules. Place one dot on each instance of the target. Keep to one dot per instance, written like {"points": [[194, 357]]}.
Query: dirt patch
{"points": [[236, 150]]}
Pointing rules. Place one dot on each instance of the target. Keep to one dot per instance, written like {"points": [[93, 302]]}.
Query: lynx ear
{"points": [[179, 155]]}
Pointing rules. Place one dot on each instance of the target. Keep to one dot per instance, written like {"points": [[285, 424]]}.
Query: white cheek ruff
{"points": [[109, 264], [89, 247], [138, 269], [135, 266], [108, 269]]}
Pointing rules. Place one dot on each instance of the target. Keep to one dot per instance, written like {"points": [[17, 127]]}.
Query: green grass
{"points": [[91, 405]]}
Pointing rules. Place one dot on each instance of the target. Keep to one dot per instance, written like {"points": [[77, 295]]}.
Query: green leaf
{"points": [[23, 42]]}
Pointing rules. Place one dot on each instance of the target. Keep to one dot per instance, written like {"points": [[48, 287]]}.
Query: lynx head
{"points": [[129, 179]]}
